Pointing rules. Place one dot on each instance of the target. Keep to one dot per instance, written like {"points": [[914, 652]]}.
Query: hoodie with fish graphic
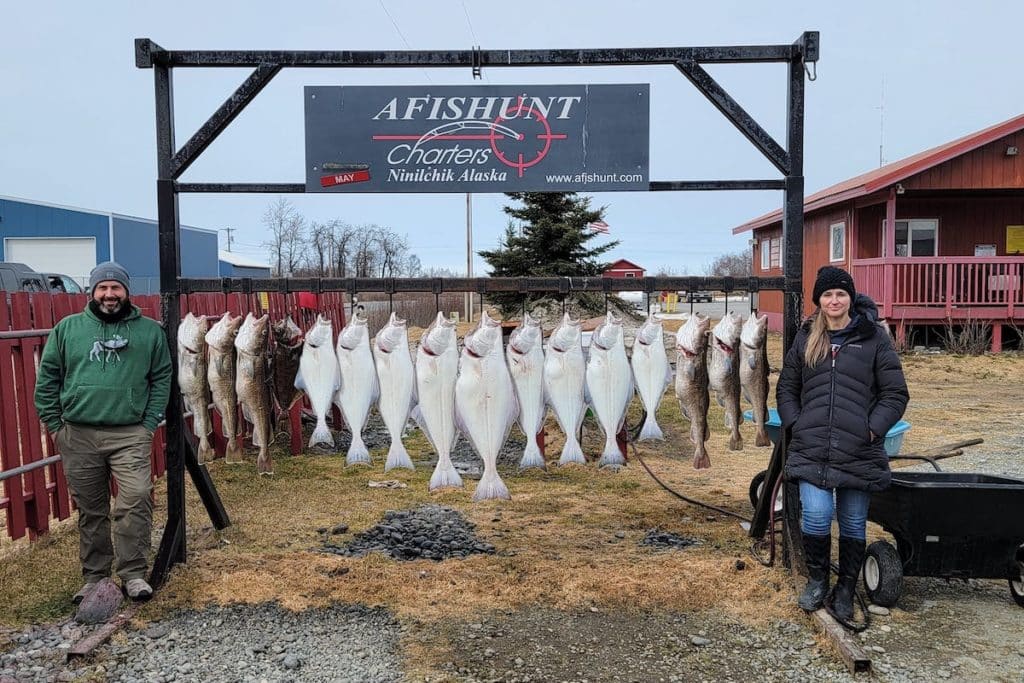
{"points": [[104, 374]]}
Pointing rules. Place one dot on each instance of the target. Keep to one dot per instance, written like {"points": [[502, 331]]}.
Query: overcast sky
{"points": [[77, 121]]}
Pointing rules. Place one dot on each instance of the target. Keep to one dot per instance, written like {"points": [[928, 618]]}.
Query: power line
{"points": [[400, 34]]}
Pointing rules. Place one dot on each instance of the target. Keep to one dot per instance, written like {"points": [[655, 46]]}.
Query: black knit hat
{"points": [[830, 277]]}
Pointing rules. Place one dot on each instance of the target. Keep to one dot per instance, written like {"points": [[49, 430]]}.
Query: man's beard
{"points": [[111, 306], [112, 311]]}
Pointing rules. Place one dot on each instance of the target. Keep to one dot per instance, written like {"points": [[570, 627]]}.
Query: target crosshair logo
{"points": [[520, 163]]}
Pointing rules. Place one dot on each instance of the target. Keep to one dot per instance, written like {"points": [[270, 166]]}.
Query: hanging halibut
{"points": [[192, 380], [437, 368], [526, 364], [610, 385], [358, 384], [724, 373], [564, 385], [220, 372], [397, 381], [754, 371], [692, 382], [252, 385], [319, 376], [651, 372], [485, 402]]}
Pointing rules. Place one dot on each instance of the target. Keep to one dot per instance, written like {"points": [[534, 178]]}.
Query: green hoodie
{"points": [[83, 381]]}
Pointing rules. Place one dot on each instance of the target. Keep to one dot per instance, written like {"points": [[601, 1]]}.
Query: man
{"points": [[102, 388]]}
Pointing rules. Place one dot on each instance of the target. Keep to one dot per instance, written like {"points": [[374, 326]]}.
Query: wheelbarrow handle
{"points": [[925, 458]]}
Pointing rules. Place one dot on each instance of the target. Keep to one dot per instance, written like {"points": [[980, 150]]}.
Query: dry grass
{"points": [[556, 538]]}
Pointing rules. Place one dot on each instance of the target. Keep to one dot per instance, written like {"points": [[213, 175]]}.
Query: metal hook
{"points": [[437, 301], [812, 71], [391, 303], [477, 63]]}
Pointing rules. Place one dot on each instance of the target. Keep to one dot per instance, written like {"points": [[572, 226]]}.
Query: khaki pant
{"points": [[90, 456]]}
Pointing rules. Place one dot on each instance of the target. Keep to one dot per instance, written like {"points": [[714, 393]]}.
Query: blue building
{"points": [[60, 239], [235, 265]]}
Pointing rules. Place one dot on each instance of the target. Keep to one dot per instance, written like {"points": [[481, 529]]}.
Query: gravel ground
{"points": [[250, 643]]}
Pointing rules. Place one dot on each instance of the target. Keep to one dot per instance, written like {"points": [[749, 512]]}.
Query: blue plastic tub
{"points": [[893, 439]]}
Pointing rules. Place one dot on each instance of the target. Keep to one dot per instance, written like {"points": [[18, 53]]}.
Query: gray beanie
{"points": [[110, 270]]}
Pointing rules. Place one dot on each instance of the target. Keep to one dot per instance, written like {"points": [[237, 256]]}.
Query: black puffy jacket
{"points": [[835, 406]]}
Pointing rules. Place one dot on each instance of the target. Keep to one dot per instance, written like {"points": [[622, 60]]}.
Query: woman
{"points": [[841, 390]]}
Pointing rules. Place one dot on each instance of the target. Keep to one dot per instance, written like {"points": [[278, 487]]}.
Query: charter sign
{"points": [[504, 138]]}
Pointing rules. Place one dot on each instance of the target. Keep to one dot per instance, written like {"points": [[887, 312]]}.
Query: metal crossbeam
{"points": [[481, 285], [148, 54]]}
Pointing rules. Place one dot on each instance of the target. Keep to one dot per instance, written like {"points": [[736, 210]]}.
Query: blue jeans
{"points": [[818, 507]]}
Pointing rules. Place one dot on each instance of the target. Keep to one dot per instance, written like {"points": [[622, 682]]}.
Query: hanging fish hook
{"points": [[811, 68]]}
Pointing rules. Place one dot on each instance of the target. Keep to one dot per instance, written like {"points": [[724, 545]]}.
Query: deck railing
{"points": [[991, 287]]}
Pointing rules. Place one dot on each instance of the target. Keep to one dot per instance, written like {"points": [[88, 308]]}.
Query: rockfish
{"points": [[319, 376], [285, 363], [564, 385], [610, 384], [358, 384], [525, 356], [754, 371], [192, 379], [397, 381], [485, 402], [252, 385], [220, 371], [651, 372], [437, 368], [692, 382], [724, 373]]}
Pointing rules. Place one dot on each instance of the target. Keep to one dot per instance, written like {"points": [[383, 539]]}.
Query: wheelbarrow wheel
{"points": [[1017, 584], [757, 487], [883, 574]]}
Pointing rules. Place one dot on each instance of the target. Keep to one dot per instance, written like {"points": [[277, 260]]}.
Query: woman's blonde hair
{"points": [[818, 341]]}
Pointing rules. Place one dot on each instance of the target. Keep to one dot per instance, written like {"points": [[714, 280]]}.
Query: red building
{"points": [[957, 251], [624, 268]]}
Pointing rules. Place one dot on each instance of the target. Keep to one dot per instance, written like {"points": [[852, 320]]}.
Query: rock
{"points": [[740, 565], [291, 662], [885, 628], [879, 610], [620, 534], [878, 648], [101, 604], [155, 632], [699, 641]]}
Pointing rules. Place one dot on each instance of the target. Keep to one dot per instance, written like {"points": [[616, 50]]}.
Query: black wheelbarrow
{"points": [[947, 525]]}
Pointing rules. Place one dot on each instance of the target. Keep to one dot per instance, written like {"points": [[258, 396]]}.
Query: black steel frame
{"points": [[173, 161]]}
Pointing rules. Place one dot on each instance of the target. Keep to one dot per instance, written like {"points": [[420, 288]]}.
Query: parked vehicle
{"points": [[692, 297], [62, 283], [17, 277]]}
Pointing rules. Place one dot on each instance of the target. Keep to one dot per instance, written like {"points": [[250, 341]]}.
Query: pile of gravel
{"points": [[431, 532], [661, 540]]}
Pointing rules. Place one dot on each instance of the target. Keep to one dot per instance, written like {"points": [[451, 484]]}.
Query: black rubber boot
{"points": [[851, 558], [817, 555]]}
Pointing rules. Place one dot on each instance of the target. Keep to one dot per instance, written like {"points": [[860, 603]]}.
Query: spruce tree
{"points": [[547, 237]]}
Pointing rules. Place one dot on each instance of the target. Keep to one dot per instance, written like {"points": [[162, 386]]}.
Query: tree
{"points": [[737, 264], [548, 236], [287, 236]]}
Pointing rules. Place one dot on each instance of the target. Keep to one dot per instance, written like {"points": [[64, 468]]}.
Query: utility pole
{"points": [[229, 231], [469, 253]]}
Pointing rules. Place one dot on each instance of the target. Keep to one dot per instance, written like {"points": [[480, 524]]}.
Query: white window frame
{"points": [[630, 274], [912, 223], [832, 256], [766, 253]]}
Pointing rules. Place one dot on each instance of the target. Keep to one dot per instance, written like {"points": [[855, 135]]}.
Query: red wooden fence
{"points": [[32, 498]]}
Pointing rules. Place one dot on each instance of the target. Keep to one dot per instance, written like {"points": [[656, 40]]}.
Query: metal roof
{"points": [[236, 259], [897, 171]]}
